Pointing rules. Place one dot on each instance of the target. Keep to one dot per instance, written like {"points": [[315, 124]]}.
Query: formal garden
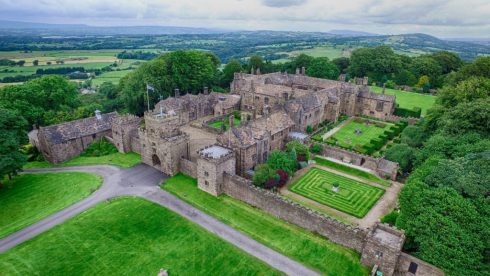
{"points": [[336, 191], [366, 136]]}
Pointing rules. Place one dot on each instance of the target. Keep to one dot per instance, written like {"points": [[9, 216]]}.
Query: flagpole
{"points": [[147, 97]]}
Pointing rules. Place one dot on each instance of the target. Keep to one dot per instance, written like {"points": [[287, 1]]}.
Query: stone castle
{"points": [[274, 108]]}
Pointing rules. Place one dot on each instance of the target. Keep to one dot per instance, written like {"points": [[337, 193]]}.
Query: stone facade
{"points": [[213, 162], [61, 142], [381, 166], [125, 133]]}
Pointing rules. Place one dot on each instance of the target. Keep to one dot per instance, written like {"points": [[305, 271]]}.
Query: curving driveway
{"points": [[143, 181]]}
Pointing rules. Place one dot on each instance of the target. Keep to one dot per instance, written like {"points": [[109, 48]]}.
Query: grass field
{"points": [[351, 171], [218, 124], [112, 76], [353, 197], [409, 100], [124, 160], [67, 56], [347, 137], [295, 242], [320, 51], [29, 198], [129, 236]]}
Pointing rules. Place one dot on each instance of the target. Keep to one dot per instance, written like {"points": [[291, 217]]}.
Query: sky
{"points": [[442, 18]]}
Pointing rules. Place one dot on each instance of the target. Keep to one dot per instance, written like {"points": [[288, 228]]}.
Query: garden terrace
{"points": [[352, 197], [365, 135]]}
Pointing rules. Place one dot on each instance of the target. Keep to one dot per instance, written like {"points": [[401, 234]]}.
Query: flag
{"points": [[150, 88]]}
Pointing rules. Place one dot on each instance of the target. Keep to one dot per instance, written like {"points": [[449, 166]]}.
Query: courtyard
{"points": [[336, 191]]}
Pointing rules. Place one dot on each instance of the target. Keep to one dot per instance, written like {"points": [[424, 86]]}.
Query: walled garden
{"points": [[336, 191]]}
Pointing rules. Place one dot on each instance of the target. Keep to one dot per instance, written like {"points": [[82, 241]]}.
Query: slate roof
{"points": [[57, 134], [275, 122], [308, 102], [376, 96]]}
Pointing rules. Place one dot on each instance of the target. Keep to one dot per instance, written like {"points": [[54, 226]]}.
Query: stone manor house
{"points": [[275, 108]]}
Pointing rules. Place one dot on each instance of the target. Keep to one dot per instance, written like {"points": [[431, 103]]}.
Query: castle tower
{"points": [[212, 163]]}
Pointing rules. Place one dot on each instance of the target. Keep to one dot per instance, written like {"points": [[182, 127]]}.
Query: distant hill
{"points": [[350, 33], [43, 29]]}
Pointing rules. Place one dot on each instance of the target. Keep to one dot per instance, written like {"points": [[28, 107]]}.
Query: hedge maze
{"points": [[352, 197], [365, 136]]}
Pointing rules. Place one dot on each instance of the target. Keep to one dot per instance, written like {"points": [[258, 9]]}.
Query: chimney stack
{"points": [[303, 71], [206, 91], [297, 71], [98, 115], [231, 120], [252, 70], [177, 92], [384, 88], [258, 71]]}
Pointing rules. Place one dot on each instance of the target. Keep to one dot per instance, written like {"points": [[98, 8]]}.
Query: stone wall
{"points": [[136, 144], [395, 119], [422, 268], [294, 213], [188, 167], [381, 166]]}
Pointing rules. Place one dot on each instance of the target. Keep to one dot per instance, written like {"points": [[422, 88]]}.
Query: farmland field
{"points": [[408, 99], [354, 198], [129, 236], [347, 136]]}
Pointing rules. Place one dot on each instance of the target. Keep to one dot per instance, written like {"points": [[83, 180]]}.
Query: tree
{"points": [[229, 71], [35, 62], [108, 89], [263, 173], [188, 71], [300, 149], [342, 64], [38, 96], [423, 82], [322, 68], [426, 66], [302, 60], [467, 117], [21, 63], [256, 62], [480, 67], [374, 62], [12, 136], [448, 61], [413, 136], [465, 91], [316, 148], [405, 77], [403, 154], [280, 160]]}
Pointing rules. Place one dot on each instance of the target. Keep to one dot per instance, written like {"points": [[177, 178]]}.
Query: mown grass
{"points": [[29, 198], [354, 198], [124, 160], [351, 171], [346, 135], [409, 100], [219, 124], [308, 248], [129, 236]]}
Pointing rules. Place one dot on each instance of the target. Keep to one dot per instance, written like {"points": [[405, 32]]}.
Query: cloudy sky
{"points": [[443, 18]]}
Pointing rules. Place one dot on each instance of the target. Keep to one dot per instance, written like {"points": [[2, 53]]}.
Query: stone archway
{"points": [[155, 160]]}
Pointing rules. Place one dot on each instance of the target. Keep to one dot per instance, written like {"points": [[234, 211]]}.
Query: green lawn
{"points": [[111, 76], [29, 198], [354, 198], [408, 99], [295, 242], [351, 171], [124, 160], [218, 124], [347, 137], [129, 236]]}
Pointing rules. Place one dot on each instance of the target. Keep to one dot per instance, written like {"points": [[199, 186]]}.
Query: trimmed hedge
{"points": [[415, 112]]}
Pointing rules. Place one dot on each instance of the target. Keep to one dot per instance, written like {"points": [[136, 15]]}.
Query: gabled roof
{"points": [[57, 134]]}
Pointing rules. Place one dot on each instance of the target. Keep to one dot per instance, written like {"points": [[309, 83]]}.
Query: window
{"points": [[266, 100], [413, 267], [254, 157], [273, 137], [93, 136], [206, 174], [206, 183]]}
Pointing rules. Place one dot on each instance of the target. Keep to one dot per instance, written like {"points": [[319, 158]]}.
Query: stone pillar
{"points": [[177, 92], [303, 71], [206, 91], [384, 88], [258, 71], [297, 71], [252, 71]]}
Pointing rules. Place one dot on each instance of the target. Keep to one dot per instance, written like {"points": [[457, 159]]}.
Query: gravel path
{"points": [[144, 181]]}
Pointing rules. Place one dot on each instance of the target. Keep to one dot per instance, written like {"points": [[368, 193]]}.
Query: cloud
{"points": [[440, 17], [283, 3]]}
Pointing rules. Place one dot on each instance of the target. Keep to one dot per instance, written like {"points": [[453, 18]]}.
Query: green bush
{"points": [[316, 148], [390, 218], [309, 129], [331, 141], [317, 137], [99, 148], [415, 112]]}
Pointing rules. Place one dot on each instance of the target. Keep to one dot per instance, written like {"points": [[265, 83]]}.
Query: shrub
{"points": [[317, 137], [316, 148], [99, 148], [309, 129], [403, 154], [280, 160], [236, 114], [263, 173], [331, 141], [390, 218], [380, 124], [415, 112], [300, 148], [283, 177]]}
